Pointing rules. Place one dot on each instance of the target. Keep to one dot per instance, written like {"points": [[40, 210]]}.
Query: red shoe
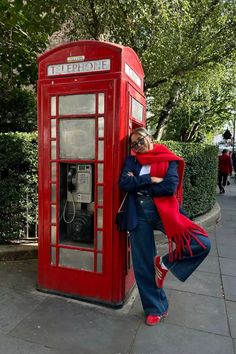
{"points": [[152, 320], [160, 273]]}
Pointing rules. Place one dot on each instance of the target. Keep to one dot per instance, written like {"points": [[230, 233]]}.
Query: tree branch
{"points": [[181, 71]]}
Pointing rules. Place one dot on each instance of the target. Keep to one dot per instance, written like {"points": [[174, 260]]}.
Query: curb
{"points": [[18, 252], [30, 250], [212, 217]]}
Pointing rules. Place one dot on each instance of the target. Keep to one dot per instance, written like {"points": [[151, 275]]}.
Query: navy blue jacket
{"points": [[143, 184]]}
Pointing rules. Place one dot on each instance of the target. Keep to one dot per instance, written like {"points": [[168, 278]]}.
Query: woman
{"points": [[153, 179]]}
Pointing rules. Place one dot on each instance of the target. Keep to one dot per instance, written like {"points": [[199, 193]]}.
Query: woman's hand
{"points": [[130, 174], [156, 179]]}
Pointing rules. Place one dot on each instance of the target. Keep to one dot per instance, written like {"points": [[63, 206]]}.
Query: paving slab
{"points": [[210, 265], [198, 312], [199, 283], [226, 238], [223, 229], [229, 284], [231, 310], [228, 266], [10, 345], [171, 339], [227, 251], [15, 306], [66, 325]]}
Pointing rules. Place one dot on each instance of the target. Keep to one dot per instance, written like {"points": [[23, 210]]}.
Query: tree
{"points": [[175, 40], [206, 104], [25, 26]]}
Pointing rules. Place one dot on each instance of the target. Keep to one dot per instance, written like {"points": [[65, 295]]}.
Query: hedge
{"points": [[200, 175], [18, 184], [18, 181]]}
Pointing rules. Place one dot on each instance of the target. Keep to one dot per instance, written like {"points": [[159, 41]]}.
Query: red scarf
{"points": [[178, 228]]}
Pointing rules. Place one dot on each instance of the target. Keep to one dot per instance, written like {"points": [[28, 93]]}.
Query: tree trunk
{"points": [[167, 110]]}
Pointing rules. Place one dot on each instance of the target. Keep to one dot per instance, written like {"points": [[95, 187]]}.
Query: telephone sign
{"points": [[90, 95], [81, 67]]}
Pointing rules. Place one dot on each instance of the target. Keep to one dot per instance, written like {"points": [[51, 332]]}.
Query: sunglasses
{"points": [[139, 142]]}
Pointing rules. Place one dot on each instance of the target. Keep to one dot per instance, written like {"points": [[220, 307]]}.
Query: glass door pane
{"points": [[77, 104], [77, 138]]}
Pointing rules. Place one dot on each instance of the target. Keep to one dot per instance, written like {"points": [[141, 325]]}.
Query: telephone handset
{"points": [[71, 179]]}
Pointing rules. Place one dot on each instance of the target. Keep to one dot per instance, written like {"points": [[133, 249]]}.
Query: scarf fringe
{"points": [[182, 241]]}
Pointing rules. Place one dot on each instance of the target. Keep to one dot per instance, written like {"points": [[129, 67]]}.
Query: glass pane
{"points": [[99, 240], [53, 234], [100, 172], [99, 263], [77, 138], [101, 127], [99, 217], [53, 214], [77, 104], [76, 259], [53, 106], [100, 195], [53, 255], [53, 150], [101, 103], [100, 150], [53, 171], [53, 128], [137, 110], [53, 192]]}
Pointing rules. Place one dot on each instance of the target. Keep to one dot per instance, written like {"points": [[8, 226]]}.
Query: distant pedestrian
{"points": [[224, 170]]}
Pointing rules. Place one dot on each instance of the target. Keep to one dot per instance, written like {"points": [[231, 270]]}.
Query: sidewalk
{"points": [[202, 313]]}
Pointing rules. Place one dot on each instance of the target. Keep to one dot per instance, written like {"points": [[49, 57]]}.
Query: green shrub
{"points": [[17, 109], [200, 175], [18, 183]]}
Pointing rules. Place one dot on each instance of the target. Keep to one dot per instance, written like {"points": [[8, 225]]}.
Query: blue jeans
{"points": [[154, 300]]}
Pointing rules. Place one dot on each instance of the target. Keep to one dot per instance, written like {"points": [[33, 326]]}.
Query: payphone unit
{"points": [[78, 208], [79, 183]]}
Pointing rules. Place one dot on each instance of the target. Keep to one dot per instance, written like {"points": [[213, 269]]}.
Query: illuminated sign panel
{"points": [[77, 68], [77, 58], [130, 72]]}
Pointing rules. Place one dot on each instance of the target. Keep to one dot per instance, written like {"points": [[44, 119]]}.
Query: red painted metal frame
{"points": [[113, 285]]}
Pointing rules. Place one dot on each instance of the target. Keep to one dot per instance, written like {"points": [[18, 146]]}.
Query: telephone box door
{"points": [[75, 189]]}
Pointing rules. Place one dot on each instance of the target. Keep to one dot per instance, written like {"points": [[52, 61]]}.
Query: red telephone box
{"points": [[90, 95]]}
